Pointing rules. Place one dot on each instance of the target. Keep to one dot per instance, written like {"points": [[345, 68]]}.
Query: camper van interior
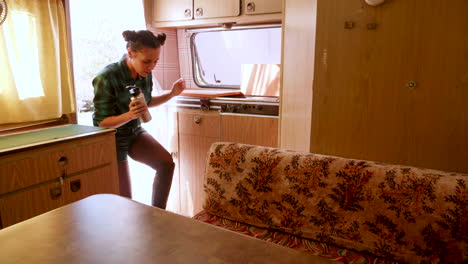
{"points": [[307, 131]]}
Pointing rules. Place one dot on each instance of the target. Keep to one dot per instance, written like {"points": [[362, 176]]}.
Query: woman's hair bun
{"points": [[161, 38], [137, 40], [130, 35]]}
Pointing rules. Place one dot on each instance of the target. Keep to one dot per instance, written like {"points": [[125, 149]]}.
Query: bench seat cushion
{"points": [[299, 243]]}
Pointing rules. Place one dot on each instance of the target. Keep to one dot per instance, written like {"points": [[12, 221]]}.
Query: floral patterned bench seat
{"points": [[353, 211]]}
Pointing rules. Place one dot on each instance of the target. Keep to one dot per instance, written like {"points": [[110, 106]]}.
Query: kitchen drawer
{"points": [[93, 182], [28, 203], [51, 162], [199, 123], [88, 154], [29, 168]]}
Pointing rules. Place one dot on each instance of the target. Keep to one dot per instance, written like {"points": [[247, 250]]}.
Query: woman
{"points": [[114, 109]]}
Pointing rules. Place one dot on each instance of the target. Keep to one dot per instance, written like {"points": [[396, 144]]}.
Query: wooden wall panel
{"points": [[254, 130], [297, 74], [362, 107]]}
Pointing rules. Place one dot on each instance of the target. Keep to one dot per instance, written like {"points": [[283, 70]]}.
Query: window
{"points": [[97, 41], [220, 56]]}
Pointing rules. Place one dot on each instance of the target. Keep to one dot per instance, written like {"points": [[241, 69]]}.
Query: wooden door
{"points": [[172, 10], [197, 131], [22, 205], [216, 8], [262, 131], [253, 7]]}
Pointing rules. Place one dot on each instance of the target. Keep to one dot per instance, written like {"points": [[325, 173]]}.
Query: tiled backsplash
{"points": [[175, 61], [167, 70], [185, 58]]}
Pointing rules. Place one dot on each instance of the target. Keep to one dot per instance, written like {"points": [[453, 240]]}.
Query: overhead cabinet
{"points": [[170, 10], [216, 8], [255, 7]]}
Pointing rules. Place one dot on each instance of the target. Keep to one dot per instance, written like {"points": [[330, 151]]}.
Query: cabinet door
{"points": [[93, 182], [197, 131], [193, 154], [216, 8], [172, 10], [253, 7], [253, 130], [28, 203]]}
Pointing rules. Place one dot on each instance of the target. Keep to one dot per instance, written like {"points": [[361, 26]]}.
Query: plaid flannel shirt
{"points": [[110, 96]]}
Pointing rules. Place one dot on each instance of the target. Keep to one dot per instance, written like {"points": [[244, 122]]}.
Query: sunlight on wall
{"points": [[23, 55], [93, 46]]}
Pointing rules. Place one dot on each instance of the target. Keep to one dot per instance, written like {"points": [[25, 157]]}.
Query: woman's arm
{"points": [[136, 109], [177, 88]]}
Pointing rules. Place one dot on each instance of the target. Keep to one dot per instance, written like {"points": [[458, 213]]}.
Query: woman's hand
{"points": [[137, 108], [178, 87]]}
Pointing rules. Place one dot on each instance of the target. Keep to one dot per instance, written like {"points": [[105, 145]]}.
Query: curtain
{"points": [[35, 75]]}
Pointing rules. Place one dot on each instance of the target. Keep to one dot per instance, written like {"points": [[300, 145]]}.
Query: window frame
{"points": [[197, 66]]}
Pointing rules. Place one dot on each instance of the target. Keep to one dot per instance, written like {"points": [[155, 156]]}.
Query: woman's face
{"points": [[143, 61]]}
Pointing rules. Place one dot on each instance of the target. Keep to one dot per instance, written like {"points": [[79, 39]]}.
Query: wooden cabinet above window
{"points": [[254, 7], [215, 8], [196, 13], [179, 10], [171, 10]]}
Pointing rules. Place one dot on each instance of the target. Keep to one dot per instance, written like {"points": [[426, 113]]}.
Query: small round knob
{"points": [[188, 12], [197, 120], [411, 84], [199, 12], [251, 7]]}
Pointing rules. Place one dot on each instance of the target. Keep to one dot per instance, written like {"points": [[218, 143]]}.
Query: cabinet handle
{"points": [[199, 12], [197, 120], [75, 185], [63, 161], [55, 192], [188, 12], [251, 7]]}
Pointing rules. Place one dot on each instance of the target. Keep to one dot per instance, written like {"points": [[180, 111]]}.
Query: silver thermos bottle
{"points": [[136, 94]]}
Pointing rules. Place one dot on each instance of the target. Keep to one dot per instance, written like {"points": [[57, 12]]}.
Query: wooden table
{"points": [[107, 228]]}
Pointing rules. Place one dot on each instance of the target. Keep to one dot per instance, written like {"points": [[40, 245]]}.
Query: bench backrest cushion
{"points": [[399, 212]]}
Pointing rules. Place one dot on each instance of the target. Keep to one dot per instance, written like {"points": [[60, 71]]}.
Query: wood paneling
{"points": [[362, 107], [197, 131], [262, 131], [193, 154], [297, 74]]}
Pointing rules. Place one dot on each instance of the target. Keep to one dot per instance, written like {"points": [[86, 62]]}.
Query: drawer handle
{"points": [[55, 192], [63, 161], [75, 185], [197, 119]]}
